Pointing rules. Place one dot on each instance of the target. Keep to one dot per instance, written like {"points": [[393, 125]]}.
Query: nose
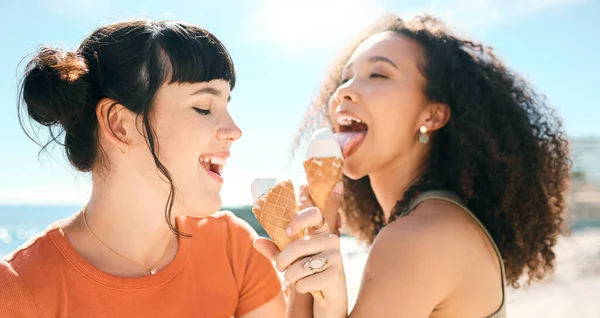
{"points": [[229, 132], [346, 92]]}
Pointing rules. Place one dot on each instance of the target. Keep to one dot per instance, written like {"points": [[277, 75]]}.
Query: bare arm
{"points": [[275, 308]]}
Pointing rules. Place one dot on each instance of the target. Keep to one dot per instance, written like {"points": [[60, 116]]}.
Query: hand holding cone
{"points": [[275, 206]]}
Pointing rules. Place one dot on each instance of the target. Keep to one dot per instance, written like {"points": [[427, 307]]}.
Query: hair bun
{"points": [[68, 66], [54, 87]]}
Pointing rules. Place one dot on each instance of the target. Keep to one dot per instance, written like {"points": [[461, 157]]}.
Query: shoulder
{"points": [[24, 273], [10, 280], [430, 244], [33, 254], [424, 261], [16, 299], [434, 222], [435, 229], [413, 262]]}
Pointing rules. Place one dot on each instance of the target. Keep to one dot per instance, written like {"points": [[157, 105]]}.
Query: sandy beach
{"points": [[574, 290]]}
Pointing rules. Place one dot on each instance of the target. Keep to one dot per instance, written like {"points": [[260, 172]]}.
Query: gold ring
{"points": [[315, 264]]}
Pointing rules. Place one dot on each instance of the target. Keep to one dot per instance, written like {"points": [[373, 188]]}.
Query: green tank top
{"points": [[453, 198]]}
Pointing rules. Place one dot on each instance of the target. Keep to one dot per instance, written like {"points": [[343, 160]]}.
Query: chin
{"points": [[353, 171], [212, 206]]}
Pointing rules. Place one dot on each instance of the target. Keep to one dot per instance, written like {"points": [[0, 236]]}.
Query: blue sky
{"points": [[282, 50]]}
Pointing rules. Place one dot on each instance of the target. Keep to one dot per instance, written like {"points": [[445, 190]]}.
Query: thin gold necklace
{"points": [[152, 270]]}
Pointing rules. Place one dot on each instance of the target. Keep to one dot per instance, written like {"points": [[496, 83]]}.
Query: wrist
{"points": [[332, 309]]}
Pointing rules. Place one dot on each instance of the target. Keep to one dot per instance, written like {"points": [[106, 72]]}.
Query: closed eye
{"points": [[202, 111], [375, 75]]}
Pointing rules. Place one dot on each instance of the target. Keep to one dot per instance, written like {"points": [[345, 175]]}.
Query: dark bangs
{"points": [[193, 55]]}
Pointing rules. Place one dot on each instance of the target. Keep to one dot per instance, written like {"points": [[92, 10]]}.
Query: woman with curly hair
{"points": [[455, 174]]}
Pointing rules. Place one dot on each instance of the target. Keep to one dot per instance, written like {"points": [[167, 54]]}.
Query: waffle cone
{"points": [[274, 211], [322, 174]]}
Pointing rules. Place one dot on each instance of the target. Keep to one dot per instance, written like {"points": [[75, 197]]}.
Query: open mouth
{"points": [[352, 132], [213, 165]]}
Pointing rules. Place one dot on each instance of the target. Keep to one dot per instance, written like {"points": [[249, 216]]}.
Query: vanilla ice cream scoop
{"points": [[323, 144], [261, 186]]}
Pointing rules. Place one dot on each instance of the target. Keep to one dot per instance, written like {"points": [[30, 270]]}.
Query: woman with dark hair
{"points": [[142, 106], [455, 174]]}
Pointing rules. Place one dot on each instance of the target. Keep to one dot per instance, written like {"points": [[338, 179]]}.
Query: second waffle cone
{"points": [[274, 211]]}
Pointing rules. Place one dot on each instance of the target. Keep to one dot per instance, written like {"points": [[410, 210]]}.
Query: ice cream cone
{"points": [[322, 174], [274, 211], [323, 167]]}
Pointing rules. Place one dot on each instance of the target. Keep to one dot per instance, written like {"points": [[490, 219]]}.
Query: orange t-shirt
{"points": [[216, 273]]}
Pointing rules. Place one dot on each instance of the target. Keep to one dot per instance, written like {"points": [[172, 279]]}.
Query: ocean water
{"points": [[19, 223]]}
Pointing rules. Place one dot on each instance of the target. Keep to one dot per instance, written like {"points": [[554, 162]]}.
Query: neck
{"points": [[390, 182], [128, 216]]}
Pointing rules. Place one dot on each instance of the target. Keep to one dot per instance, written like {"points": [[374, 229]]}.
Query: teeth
{"points": [[347, 120], [214, 160]]}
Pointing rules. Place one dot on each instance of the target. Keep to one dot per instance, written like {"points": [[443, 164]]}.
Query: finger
{"points": [[324, 228], [320, 281], [333, 204], [298, 269], [304, 200], [307, 218], [266, 247], [306, 246]]}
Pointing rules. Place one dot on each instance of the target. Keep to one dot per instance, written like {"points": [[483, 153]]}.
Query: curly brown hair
{"points": [[502, 151]]}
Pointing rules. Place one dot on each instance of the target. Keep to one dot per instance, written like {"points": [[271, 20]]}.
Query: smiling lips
{"points": [[352, 131], [213, 165]]}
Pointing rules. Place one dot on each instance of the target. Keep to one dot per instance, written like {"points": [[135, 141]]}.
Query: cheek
{"points": [[195, 136], [182, 139], [394, 116]]}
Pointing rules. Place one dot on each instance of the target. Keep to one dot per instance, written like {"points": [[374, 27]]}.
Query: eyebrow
{"points": [[210, 91], [379, 58], [375, 59]]}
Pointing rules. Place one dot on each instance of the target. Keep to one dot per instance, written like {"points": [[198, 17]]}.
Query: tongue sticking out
{"points": [[349, 141]]}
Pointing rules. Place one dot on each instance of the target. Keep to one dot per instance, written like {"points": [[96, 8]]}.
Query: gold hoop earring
{"points": [[423, 137]]}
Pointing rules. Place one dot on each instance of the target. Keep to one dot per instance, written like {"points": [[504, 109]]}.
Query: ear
{"points": [[115, 123], [436, 116]]}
